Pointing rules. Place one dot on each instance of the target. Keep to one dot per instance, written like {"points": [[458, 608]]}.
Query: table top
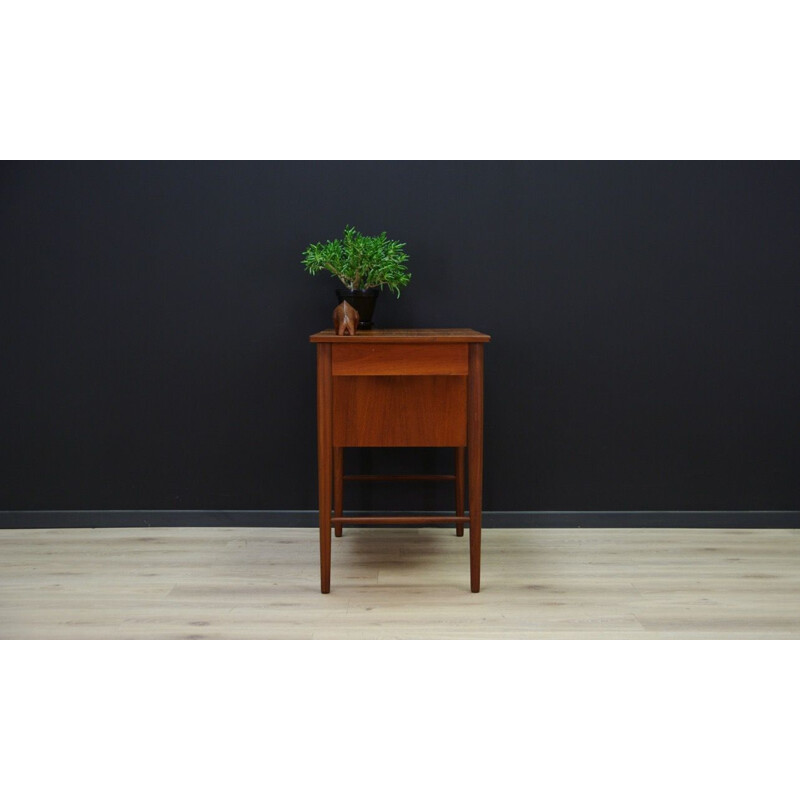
{"points": [[404, 336]]}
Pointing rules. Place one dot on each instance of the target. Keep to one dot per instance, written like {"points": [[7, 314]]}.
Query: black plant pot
{"points": [[363, 301]]}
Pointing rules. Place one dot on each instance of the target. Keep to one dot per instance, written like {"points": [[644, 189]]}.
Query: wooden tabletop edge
{"points": [[404, 335]]}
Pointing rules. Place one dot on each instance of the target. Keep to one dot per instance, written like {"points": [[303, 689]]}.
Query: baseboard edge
{"points": [[309, 519]]}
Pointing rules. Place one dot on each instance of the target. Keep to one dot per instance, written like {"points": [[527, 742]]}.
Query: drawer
{"points": [[362, 358], [399, 411]]}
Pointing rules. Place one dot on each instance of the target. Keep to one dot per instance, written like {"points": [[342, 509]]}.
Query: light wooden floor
{"points": [[263, 583]]}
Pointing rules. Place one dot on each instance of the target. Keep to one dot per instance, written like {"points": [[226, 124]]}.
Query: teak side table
{"points": [[418, 387]]}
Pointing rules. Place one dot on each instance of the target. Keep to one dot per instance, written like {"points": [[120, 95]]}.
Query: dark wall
{"points": [[155, 322]]}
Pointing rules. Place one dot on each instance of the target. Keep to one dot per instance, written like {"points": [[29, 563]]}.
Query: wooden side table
{"points": [[419, 387]]}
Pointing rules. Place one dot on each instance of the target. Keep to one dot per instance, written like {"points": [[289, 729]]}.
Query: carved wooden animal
{"points": [[345, 319]]}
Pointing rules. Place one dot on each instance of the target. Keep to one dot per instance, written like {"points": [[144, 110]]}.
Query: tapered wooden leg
{"points": [[459, 471], [338, 487], [475, 459], [324, 460]]}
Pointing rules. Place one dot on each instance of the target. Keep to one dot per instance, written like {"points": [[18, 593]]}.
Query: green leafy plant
{"points": [[361, 262]]}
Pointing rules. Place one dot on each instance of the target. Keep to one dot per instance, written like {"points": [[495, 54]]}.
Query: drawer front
{"points": [[399, 411], [400, 359]]}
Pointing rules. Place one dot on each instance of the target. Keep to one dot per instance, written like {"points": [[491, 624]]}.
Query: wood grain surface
{"points": [[324, 462], [366, 358], [399, 411], [263, 583], [401, 335]]}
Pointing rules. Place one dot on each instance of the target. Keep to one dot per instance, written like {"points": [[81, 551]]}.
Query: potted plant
{"points": [[364, 264]]}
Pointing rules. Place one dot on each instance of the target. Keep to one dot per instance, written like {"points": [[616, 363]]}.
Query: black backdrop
{"points": [[644, 321]]}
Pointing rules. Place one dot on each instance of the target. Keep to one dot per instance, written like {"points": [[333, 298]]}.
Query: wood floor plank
{"points": [[263, 583]]}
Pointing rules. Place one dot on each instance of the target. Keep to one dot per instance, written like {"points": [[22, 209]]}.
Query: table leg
{"points": [[459, 471], [338, 488], [475, 458], [324, 460]]}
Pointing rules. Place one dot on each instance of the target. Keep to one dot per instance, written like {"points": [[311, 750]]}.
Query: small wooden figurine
{"points": [[345, 319]]}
